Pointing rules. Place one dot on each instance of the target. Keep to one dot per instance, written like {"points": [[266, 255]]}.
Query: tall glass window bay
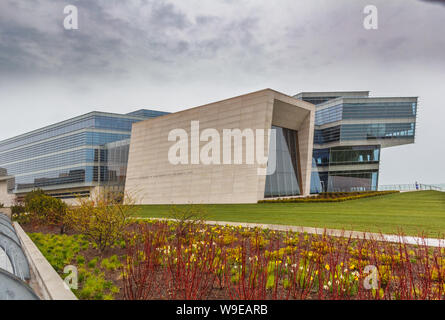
{"points": [[285, 180]]}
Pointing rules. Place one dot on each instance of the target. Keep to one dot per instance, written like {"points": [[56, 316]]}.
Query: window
{"points": [[285, 180]]}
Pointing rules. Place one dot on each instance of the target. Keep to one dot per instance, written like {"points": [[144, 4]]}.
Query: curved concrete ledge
{"points": [[49, 284]]}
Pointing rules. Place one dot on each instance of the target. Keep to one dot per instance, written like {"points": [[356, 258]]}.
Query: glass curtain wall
{"points": [[344, 181], [354, 155], [348, 181], [71, 152], [325, 180], [285, 181], [377, 131], [385, 110], [116, 162]]}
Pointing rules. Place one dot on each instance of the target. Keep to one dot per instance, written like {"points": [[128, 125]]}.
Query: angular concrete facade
{"points": [[153, 179]]}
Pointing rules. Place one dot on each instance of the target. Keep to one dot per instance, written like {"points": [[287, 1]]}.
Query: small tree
{"points": [[102, 219], [45, 210]]}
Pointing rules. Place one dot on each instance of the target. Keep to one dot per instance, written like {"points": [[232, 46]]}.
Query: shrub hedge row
{"points": [[331, 197]]}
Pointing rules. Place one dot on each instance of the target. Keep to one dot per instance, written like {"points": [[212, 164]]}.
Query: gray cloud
{"points": [[102, 43], [109, 39], [435, 1], [122, 36]]}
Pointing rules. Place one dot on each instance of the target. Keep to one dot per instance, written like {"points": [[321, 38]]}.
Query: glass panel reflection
{"points": [[285, 180]]}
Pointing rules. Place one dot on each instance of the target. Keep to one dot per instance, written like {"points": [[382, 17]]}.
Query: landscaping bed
{"points": [[331, 197], [99, 274], [191, 260]]}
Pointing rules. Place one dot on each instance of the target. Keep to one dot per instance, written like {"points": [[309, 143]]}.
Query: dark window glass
{"points": [[379, 110], [349, 181], [321, 157], [344, 181], [377, 131], [52, 178], [328, 115], [318, 100], [327, 135], [319, 181], [354, 155]]}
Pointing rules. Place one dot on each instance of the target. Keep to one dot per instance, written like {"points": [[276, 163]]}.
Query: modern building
{"points": [[235, 126], [323, 141], [351, 128], [69, 158]]}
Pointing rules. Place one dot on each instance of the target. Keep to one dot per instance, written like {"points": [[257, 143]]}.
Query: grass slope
{"points": [[411, 212]]}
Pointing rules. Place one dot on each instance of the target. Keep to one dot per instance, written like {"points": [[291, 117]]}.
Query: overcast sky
{"points": [[173, 55]]}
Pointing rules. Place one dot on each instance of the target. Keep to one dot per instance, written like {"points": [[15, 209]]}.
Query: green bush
{"points": [[45, 210], [102, 220]]}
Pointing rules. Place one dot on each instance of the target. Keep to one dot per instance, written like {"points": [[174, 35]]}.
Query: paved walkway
{"points": [[432, 242]]}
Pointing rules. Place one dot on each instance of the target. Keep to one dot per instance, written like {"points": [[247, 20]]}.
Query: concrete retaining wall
{"points": [[47, 282]]}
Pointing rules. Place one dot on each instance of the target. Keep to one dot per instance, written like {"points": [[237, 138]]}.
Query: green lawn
{"points": [[412, 212]]}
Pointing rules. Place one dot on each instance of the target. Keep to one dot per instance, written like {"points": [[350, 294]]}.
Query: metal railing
{"points": [[410, 187]]}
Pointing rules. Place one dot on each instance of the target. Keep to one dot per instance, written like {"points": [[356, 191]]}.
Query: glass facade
{"points": [[285, 181], [327, 135], [364, 111], [364, 132], [324, 178], [116, 155], [344, 181], [377, 131], [328, 115], [377, 121], [320, 157], [386, 110], [346, 155], [76, 152]]}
